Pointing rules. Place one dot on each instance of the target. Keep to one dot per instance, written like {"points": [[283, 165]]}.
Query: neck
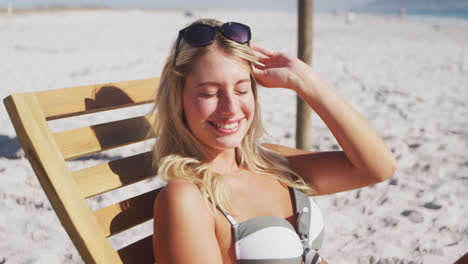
{"points": [[224, 161]]}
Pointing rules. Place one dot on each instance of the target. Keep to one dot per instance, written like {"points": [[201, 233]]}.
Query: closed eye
{"points": [[207, 95], [243, 86]]}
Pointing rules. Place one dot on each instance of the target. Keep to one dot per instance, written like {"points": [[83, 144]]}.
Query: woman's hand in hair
{"points": [[365, 158], [277, 69]]}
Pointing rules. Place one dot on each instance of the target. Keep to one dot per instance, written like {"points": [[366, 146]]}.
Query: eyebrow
{"points": [[217, 84]]}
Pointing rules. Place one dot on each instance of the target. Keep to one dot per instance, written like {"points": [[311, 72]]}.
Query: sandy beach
{"points": [[408, 78]]}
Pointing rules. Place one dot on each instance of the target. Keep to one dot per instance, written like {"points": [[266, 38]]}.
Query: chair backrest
{"points": [[68, 190]]}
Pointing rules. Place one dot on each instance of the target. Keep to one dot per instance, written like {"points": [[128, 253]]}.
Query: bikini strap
{"points": [[303, 216], [304, 213], [226, 214], [235, 228]]}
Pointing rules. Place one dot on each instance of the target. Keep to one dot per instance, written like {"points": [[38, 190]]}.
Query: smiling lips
{"points": [[227, 127]]}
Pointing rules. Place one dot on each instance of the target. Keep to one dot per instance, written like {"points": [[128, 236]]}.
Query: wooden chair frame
{"points": [[67, 190]]}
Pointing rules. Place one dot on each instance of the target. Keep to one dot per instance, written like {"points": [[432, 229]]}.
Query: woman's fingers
{"points": [[264, 61], [257, 72], [263, 54], [259, 66], [259, 76], [266, 51], [261, 73], [261, 57], [269, 57]]}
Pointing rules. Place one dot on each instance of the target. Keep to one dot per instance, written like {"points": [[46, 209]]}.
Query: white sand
{"points": [[408, 79]]}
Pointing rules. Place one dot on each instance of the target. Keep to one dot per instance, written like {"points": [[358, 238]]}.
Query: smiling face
{"points": [[218, 101]]}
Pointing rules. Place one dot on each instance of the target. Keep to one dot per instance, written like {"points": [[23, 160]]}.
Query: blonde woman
{"points": [[228, 198]]}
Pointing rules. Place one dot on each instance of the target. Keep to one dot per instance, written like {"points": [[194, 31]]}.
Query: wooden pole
{"points": [[10, 9], [303, 122]]}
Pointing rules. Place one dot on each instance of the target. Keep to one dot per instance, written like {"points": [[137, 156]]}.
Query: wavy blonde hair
{"points": [[178, 154]]}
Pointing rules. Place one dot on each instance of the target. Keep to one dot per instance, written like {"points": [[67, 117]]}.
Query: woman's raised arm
{"points": [[365, 158], [184, 230]]}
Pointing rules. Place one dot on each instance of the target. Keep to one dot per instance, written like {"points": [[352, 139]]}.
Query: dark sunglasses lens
{"points": [[199, 35], [236, 32]]}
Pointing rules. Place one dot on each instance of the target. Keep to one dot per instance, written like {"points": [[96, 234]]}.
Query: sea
{"points": [[322, 6], [454, 14], [462, 14]]}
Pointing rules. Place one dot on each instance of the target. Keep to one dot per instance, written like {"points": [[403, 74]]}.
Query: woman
{"points": [[229, 199]]}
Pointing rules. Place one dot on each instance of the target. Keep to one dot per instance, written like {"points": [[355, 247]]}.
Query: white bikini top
{"points": [[273, 240]]}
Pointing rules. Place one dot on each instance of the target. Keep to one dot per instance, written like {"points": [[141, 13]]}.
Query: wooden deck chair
{"points": [[66, 189]]}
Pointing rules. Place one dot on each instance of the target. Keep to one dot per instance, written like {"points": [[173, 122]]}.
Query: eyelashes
{"points": [[218, 92]]}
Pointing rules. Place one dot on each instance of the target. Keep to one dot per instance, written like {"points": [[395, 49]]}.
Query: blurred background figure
{"points": [[402, 12], [350, 17]]}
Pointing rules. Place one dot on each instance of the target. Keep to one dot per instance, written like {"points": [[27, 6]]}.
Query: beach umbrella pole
{"points": [[303, 120], [10, 9]]}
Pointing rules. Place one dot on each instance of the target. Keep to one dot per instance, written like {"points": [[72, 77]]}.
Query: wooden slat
{"points": [[114, 174], [57, 181], [74, 101], [93, 139], [126, 214], [140, 252]]}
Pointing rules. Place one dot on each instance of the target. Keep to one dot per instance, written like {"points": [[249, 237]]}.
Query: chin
{"points": [[226, 144]]}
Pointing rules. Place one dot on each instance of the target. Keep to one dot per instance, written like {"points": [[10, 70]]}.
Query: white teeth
{"points": [[226, 126]]}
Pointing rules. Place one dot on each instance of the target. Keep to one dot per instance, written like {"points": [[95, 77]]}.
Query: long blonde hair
{"points": [[179, 155]]}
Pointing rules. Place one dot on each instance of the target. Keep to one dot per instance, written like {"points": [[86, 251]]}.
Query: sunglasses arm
{"points": [[176, 50]]}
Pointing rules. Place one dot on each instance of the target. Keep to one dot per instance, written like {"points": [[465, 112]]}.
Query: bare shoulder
{"points": [[178, 191], [180, 196], [183, 225]]}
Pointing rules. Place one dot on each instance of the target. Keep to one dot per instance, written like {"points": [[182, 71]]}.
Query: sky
{"points": [[267, 4]]}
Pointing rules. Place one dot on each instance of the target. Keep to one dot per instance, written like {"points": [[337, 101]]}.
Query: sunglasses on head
{"points": [[199, 35]]}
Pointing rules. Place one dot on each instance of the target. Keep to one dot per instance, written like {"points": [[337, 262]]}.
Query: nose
{"points": [[228, 104]]}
